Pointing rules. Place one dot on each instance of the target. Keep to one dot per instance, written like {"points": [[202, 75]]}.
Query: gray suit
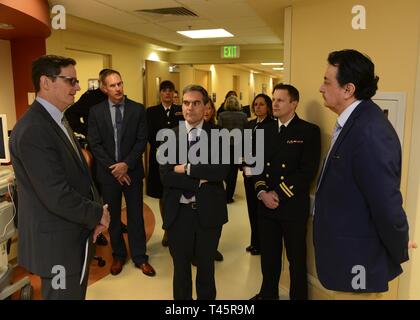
{"points": [[58, 203]]}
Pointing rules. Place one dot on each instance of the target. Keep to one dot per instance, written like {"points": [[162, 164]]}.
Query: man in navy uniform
{"points": [[292, 153], [164, 115]]}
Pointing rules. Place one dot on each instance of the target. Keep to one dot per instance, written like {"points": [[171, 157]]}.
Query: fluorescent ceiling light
{"points": [[278, 69], [206, 33], [272, 63]]}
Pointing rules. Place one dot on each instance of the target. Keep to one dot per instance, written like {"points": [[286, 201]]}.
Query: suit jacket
{"points": [[133, 140], [210, 196], [156, 120], [58, 203], [291, 164], [359, 219]]}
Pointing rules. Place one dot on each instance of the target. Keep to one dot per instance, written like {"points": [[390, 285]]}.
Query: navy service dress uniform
{"points": [[291, 162], [157, 119]]}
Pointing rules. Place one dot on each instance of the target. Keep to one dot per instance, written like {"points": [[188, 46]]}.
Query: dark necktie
{"points": [[168, 111], [282, 130], [118, 125], [192, 140], [71, 135]]}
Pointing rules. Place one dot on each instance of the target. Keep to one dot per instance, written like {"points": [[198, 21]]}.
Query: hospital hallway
{"points": [[238, 276]]}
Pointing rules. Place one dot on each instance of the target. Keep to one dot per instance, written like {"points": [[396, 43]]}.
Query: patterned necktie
{"points": [[71, 135], [118, 125], [192, 140]]}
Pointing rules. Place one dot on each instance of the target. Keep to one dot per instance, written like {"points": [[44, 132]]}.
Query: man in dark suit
{"points": [[59, 209], [164, 115], [292, 153], [117, 136], [78, 117], [195, 202], [360, 228]]}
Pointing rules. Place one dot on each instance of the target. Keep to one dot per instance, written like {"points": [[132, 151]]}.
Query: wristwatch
{"points": [[186, 168]]}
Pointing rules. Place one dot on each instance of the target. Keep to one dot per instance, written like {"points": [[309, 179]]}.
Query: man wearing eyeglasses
{"points": [[117, 135], [195, 202], [59, 208]]}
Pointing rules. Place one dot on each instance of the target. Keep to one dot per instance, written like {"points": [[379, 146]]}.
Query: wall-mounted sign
{"points": [[230, 52]]}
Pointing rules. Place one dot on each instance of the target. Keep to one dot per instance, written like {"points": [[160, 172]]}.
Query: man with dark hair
{"points": [[360, 228], [292, 153], [164, 115], [195, 202], [117, 136], [59, 208]]}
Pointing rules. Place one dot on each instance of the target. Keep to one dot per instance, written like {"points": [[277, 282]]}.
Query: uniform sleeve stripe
{"points": [[260, 183], [286, 190]]}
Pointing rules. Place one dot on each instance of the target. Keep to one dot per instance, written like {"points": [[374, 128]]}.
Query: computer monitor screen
{"points": [[4, 140]]}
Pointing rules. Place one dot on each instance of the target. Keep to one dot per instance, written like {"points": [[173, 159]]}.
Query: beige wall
{"points": [[391, 40], [158, 69], [7, 91], [87, 67], [127, 52]]}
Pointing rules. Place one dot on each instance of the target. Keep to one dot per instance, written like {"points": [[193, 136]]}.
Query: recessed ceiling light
{"points": [[278, 69], [206, 33], [272, 63], [6, 26]]}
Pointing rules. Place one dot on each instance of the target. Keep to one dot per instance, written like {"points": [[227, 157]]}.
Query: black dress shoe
{"points": [[165, 240], [123, 228], [249, 248], [257, 297], [255, 251], [101, 240], [219, 256]]}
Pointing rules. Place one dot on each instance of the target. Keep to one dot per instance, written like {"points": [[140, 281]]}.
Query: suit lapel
{"points": [[82, 164], [344, 132], [107, 116], [128, 109]]}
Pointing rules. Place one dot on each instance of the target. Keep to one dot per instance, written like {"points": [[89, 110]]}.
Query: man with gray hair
{"points": [[195, 202]]}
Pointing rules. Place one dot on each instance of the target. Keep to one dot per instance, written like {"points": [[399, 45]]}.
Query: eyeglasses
{"points": [[72, 81], [193, 103]]}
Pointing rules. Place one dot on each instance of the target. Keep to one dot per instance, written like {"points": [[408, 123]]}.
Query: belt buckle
{"points": [[194, 205]]}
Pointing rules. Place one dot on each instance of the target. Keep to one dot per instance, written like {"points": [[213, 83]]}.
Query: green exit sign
{"points": [[230, 52]]}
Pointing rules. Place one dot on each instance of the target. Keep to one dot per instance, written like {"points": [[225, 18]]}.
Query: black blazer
{"points": [[291, 164], [58, 203], [359, 218], [210, 196], [133, 140], [156, 120]]}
